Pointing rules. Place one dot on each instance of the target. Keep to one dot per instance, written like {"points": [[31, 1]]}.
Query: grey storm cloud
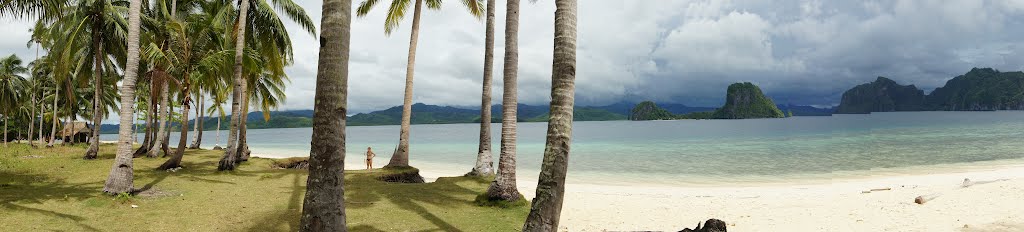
{"points": [[685, 51]]}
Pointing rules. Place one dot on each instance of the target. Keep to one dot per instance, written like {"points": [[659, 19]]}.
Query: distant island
{"points": [[434, 114], [981, 89], [742, 101]]}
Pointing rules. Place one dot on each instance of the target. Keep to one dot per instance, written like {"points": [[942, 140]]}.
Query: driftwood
{"points": [[712, 225], [876, 190], [926, 198]]}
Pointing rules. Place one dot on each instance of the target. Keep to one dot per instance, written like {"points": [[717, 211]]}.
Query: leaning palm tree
{"points": [[503, 187], [484, 158], [547, 205], [121, 175], [270, 34], [12, 84], [395, 15], [323, 208]]}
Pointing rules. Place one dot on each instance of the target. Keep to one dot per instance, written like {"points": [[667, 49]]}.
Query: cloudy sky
{"points": [[799, 51]]}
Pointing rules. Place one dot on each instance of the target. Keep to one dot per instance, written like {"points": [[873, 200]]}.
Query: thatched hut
{"points": [[76, 132]]}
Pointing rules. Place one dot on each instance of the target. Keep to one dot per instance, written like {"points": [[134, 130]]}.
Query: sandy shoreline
{"points": [[836, 206]]}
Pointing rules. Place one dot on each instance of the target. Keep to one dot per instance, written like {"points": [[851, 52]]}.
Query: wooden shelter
{"points": [[76, 132]]}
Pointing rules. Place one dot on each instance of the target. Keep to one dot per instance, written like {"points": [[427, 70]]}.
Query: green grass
{"points": [[62, 192]]}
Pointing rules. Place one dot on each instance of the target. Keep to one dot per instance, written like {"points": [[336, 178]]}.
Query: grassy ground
{"points": [[55, 190]]}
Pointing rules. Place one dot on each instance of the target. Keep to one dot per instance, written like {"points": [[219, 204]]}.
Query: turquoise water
{"points": [[698, 151]]}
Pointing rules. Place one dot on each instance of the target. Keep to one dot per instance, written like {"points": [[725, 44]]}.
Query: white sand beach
{"points": [[995, 203]]}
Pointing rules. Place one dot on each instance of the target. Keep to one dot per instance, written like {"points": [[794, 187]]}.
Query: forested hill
{"points": [[978, 90]]}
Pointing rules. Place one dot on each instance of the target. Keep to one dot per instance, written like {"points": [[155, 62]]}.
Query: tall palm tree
{"points": [[484, 158], [547, 205], [121, 175], [194, 51], [12, 84], [323, 208], [504, 185], [270, 36], [395, 15]]}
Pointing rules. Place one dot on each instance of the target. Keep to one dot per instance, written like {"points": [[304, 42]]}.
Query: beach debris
{"points": [[876, 190], [920, 200], [292, 163], [711, 225], [969, 183]]}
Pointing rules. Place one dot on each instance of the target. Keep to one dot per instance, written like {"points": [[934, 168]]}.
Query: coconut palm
{"points": [[12, 84], [484, 158], [121, 175], [395, 14], [504, 185], [264, 90], [547, 205], [269, 37], [323, 208], [195, 37]]}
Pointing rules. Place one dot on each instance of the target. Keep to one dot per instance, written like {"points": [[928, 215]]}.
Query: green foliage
{"points": [[745, 100]]}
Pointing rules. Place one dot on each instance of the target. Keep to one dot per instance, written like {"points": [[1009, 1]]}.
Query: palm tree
{"points": [[504, 185], [194, 52], [484, 159], [547, 205], [121, 175], [323, 208], [11, 87], [395, 15], [271, 38]]}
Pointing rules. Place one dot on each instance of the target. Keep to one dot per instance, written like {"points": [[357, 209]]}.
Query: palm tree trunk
{"points": [[6, 120], [504, 185], [97, 116], [547, 205], [230, 158], [147, 140], [165, 144], [54, 118], [323, 208], [121, 173], [219, 117], [68, 138], [175, 160], [401, 156], [41, 117], [484, 158], [32, 119], [164, 110], [197, 135], [243, 126]]}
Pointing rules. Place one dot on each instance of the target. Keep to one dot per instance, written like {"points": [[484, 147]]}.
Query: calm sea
{"points": [[702, 151]]}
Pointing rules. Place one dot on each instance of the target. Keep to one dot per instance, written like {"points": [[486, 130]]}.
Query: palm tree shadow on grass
{"points": [[31, 188], [288, 216], [409, 197]]}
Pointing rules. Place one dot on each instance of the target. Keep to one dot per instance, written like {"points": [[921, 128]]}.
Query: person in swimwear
{"points": [[369, 158]]}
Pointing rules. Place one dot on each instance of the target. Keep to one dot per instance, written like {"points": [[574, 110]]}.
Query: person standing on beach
{"points": [[369, 158]]}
